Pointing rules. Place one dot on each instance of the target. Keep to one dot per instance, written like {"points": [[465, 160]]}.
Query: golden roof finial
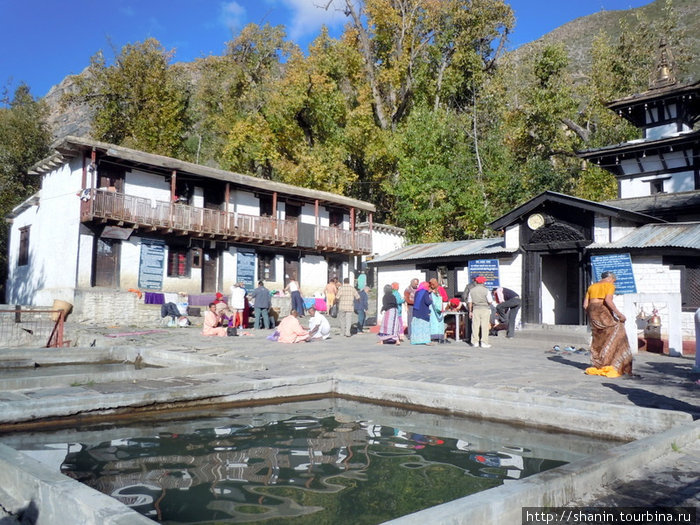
{"points": [[665, 66]]}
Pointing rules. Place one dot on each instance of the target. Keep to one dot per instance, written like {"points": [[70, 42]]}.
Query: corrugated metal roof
{"points": [[668, 235], [657, 202], [440, 250]]}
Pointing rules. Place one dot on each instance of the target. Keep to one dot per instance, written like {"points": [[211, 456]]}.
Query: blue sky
{"points": [[42, 41]]}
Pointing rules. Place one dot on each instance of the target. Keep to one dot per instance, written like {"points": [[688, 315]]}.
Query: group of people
{"points": [[224, 318], [428, 302]]}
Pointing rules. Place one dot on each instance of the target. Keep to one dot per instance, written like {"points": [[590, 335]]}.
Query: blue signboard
{"points": [[487, 268], [245, 269], [621, 265], [151, 264]]}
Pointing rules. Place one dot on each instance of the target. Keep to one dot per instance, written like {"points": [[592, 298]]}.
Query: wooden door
{"points": [[210, 260], [291, 270], [107, 262]]}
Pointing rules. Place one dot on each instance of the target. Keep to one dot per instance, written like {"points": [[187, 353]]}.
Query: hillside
{"points": [[577, 35]]}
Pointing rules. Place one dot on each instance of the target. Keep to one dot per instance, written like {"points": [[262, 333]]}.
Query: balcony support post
{"points": [[317, 221], [352, 227]]}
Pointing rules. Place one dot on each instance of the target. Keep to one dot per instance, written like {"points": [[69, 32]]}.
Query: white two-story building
{"points": [[113, 218]]}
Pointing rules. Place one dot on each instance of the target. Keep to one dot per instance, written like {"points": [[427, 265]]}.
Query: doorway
{"points": [[291, 270], [107, 257], [560, 289], [210, 259]]}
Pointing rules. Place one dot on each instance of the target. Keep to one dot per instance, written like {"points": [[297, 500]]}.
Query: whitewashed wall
{"points": [[385, 241], [53, 241], [512, 241], [313, 270], [245, 202], [147, 185]]}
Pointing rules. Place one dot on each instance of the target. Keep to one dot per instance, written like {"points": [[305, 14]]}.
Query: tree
{"points": [[403, 43], [137, 102], [24, 140]]}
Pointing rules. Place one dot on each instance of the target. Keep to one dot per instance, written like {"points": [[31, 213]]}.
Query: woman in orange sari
{"points": [[610, 350]]}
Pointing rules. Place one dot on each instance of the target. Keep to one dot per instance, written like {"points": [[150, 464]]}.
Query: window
{"points": [[178, 262], [266, 267], [657, 186], [690, 289], [23, 257]]}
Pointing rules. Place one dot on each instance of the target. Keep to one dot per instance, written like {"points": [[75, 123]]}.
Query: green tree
{"points": [[137, 102], [24, 140]]}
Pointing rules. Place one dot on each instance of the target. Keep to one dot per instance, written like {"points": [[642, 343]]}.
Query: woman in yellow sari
{"points": [[610, 350]]}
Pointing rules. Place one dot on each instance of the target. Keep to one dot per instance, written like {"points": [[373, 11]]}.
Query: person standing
{"points": [[330, 291], [610, 349], [465, 299], [389, 329], [297, 301], [346, 304], [409, 295], [437, 321], [507, 307], [420, 323], [237, 303], [361, 307], [361, 280], [261, 306], [479, 305], [399, 307]]}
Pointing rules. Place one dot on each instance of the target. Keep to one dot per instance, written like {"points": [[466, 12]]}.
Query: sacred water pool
{"points": [[322, 461]]}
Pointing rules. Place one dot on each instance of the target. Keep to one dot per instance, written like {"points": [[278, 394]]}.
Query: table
{"points": [[458, 316]]}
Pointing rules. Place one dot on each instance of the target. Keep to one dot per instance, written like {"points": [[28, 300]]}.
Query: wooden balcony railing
{"points": [[141, 212]]}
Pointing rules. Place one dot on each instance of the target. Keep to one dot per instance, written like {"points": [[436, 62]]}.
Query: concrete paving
{"points": [[526, 366]]}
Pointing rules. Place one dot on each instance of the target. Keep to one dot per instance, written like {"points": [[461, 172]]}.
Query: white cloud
{"points": [[309, 15], [232, 15]]}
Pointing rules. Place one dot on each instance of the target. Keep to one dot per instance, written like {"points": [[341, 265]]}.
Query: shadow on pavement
{"points": [[644, 398], [565, 361]]}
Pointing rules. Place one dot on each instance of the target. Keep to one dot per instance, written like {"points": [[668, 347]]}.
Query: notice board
{"points": [[245, 268], [487, 268], [618, 263], [151, 264]]}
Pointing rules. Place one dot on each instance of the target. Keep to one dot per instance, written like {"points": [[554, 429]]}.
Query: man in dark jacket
{"points": [[507, 306], [261, 305], [361, 307]]}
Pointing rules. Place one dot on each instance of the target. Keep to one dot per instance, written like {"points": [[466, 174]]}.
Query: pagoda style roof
{"points": [[633, 107], [608, 157]]}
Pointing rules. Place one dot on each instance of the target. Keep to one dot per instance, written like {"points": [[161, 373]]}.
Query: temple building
{"points": [[553, 246]]}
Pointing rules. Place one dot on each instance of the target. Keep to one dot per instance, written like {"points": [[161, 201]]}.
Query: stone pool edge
{"points": [[655, 431]]}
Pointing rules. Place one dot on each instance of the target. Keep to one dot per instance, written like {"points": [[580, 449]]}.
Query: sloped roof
{"points": [[71, 146], [658, 202], [443, 251], [685, 235], [576, 202]]}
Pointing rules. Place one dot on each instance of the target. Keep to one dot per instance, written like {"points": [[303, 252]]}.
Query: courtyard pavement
{"points": [[527, 364]]}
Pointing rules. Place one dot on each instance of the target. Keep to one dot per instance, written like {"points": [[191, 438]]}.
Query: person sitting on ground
{"points": [[291, 331], [212, 323], [319, 327]]}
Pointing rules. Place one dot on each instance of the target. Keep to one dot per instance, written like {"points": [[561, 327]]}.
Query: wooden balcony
{"points": [[181, 219]]}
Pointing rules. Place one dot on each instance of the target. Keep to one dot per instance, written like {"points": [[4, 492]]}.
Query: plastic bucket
{"points": [[61, 305]]}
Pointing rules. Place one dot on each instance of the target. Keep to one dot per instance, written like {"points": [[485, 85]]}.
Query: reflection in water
{"points": [[327, 468]]}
